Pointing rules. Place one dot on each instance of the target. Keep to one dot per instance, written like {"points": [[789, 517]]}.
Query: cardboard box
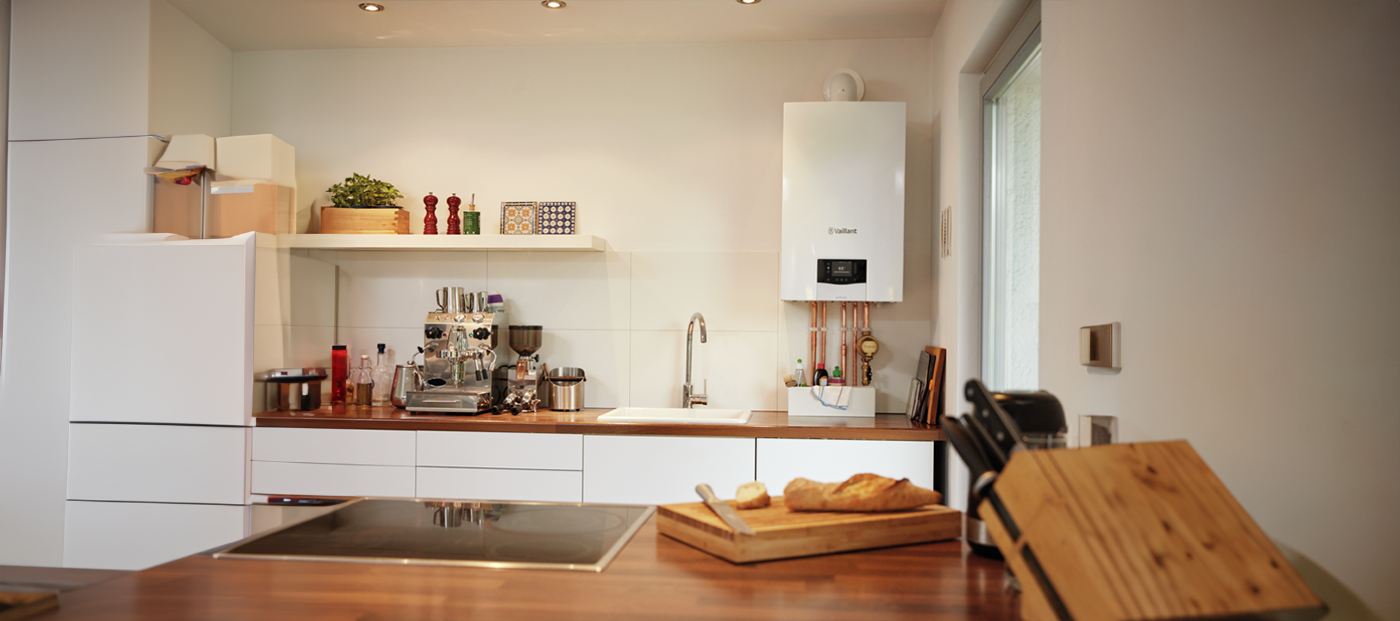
{"points": [[260, 157], [367, 221], [233, 210]]}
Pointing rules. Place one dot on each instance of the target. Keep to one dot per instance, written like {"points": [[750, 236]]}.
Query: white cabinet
{"points": [[157, 463], [496, 484], [275, 478], [335, 446], [181, 312], [475, 449], [780, 460], [123, 535], [660, 469], [500, 466], [333, 462], [79, 69]]}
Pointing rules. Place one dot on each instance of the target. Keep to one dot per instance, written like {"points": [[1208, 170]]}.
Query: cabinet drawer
{"points": [[649, 470], [489, 484], [157, 463], [477, 449], [289, 479], [780, 460], [334, 446], [124, 535]]}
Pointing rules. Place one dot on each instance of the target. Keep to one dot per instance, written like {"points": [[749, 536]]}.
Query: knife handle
{"points": [[705, 492]]}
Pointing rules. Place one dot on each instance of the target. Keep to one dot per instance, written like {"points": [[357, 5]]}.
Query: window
{"points": [[1011, 217]]}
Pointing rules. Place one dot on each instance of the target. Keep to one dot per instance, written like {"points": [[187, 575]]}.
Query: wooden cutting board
{"points": [[780, 533]]}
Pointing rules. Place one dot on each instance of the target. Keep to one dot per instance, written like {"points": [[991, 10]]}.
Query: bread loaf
{"points": [[752, 496], [862, 492]]}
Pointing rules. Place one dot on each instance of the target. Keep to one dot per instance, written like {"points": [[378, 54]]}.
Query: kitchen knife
{"points": [[723, 510]]}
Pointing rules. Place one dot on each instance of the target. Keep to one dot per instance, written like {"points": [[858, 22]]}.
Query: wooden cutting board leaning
{"points": [[780, 533]]}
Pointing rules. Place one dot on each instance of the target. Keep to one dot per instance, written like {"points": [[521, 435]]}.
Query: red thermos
{"points": [[340, 368]]}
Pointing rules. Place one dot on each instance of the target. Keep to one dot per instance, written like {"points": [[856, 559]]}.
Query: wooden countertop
{"points": [[764, 424], [654, 577]]}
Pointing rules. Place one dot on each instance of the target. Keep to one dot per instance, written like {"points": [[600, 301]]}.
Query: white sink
{"points": [[701, 415]]}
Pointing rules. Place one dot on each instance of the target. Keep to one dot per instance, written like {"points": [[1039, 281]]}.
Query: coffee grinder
{"points": [[520, 387]]}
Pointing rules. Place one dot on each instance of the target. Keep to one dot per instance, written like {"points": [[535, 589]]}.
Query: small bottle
{"points": [[340, 363], [800, 373], [819, 376], [364, 395], [382, 378], [836, 378], [352, 386]]}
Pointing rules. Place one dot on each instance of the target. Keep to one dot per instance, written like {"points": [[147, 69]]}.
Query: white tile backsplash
{"points": [[735, 291], [619, 316], [736, 369], [564, 290], [396, 289], [604, 355]]}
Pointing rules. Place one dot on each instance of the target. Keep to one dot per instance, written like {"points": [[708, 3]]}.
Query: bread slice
{"points": [[752, 496], [862, 492]]}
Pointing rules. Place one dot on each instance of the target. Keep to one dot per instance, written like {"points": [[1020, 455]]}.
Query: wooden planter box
{"points": [[364, 221]]}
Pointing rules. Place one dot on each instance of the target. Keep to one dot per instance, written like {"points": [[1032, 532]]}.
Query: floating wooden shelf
{"points": [[504, 243]]}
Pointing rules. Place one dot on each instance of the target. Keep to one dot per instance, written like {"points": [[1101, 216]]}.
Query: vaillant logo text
{"points": [[840, 231]]}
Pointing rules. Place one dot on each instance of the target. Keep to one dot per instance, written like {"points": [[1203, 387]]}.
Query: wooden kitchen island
{"points": [[653, 578]]}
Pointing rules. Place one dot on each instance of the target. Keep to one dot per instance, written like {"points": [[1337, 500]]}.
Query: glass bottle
{"points": [[383, 378], [340, 364], [364, 392]]}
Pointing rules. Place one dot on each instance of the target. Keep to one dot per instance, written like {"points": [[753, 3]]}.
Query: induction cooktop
{"points": [[502, 535]]}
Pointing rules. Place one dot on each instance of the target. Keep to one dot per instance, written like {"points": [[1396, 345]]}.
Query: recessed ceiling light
{"points": [[749, 1], [553, 4], [371, 7]]}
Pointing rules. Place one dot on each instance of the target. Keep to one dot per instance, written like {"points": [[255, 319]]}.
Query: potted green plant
{"points": [[360, 191]]}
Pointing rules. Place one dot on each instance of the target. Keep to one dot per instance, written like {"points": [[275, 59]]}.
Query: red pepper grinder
{"points": [[454, 222], [430, 220]]}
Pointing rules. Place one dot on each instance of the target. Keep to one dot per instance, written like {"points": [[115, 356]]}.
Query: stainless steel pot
{"points": [[566, 389], [295, 390]]}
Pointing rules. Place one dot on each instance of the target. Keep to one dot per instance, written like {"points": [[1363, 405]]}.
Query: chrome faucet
{"points": [[688, 397]]}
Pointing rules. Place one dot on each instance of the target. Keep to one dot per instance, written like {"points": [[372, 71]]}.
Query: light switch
{"points": [[1099, 346]]}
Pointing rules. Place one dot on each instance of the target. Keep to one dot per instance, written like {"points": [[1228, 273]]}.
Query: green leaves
{"points": [[363, 191]]}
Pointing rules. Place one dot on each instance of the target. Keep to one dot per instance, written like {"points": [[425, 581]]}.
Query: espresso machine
{"points": [[521, 387], [459, 339]]}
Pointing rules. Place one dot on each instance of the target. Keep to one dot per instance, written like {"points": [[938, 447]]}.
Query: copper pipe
{"points": [[811, 347], [822, 350], [842, 363]]}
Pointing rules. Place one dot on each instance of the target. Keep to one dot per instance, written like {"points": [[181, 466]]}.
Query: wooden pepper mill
{"points": [[430, 220], [454, 222]]}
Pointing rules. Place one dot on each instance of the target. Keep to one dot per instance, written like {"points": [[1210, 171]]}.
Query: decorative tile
{"points": [[559, 218], [518, 218]]}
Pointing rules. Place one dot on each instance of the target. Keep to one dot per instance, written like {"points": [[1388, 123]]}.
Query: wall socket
{"points": [[1100, 346], [1096, 430]]}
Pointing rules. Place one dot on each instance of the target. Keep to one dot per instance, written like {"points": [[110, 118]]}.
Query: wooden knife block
{"points": [[1136, 531]]}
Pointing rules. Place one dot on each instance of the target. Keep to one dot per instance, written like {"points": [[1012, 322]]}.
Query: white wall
{"points": [[1219, 177], [673, 153]]}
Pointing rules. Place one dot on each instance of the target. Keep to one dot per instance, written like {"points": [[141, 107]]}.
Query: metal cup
{"points": [[451, 299]]}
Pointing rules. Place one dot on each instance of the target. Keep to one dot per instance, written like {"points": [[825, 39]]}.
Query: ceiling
{"points": [[249, 25]]}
